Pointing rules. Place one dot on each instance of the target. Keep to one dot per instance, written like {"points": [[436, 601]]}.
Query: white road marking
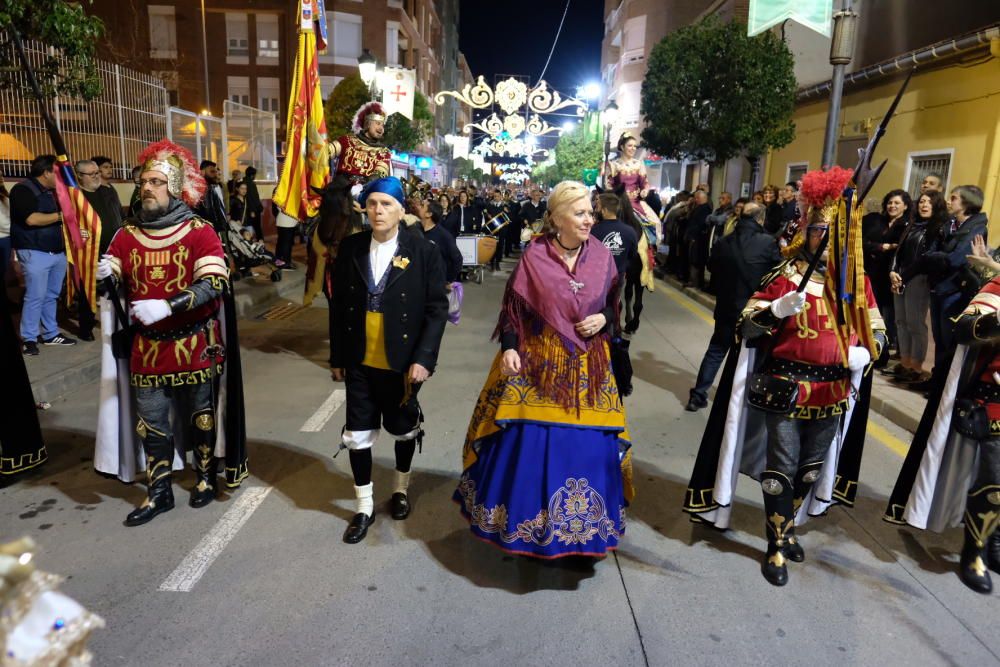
{"points": [[319, 418], [194, 566]]}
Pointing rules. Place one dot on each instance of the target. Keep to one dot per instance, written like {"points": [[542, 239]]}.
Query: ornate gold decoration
{"points": [[514, 125], [204, 422], [542, 100], [140, 428], [479, 96], [511, 94], [539, 127], [179, 258]]}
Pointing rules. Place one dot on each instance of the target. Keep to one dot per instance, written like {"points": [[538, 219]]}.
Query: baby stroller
{"points": [[247, 252]]}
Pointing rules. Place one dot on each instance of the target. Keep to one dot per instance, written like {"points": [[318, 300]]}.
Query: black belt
{"points": [[987, 392], [175, 334], [796, 370]]}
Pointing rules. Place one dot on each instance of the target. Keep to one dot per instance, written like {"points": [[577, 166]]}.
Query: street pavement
{"points": [[262, 578]]}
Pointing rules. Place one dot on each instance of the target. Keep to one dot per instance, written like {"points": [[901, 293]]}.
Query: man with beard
{"points": [[170, 265], [362, 156], [109, 213], [213, 207]]}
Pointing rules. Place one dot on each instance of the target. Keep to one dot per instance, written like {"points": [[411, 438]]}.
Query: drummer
{"points": [[498, 207], [463, 218], [533, 210]]}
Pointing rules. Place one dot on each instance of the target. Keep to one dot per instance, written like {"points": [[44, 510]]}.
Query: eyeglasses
{"points": [[88, 173], [154, 182]]}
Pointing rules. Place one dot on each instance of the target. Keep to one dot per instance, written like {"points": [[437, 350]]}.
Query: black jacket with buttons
{"points": [[414, 304]]}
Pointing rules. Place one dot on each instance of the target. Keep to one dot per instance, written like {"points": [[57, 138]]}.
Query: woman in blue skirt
{"points": [[547, 466]]}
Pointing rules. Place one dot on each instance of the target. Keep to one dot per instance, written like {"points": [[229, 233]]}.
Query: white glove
{"points": [[356, 190], [150, 311], [103, 268], [788, 305], [858, 358]]}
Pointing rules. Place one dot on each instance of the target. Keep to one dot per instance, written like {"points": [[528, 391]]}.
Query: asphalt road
{"points": [[262, 577]]}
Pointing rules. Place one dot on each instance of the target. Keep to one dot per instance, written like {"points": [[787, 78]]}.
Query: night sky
{"points": [[514, 37]]}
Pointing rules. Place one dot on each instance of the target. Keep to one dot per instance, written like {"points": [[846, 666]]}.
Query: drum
{"points": [[486, 247], [496, 223]]}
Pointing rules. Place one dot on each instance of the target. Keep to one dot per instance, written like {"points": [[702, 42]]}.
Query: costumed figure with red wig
{"points": [[357, 159], [171, 367], [951, 474], [792, 405]]}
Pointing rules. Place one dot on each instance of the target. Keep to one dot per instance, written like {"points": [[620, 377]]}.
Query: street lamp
{"points": [[609, 116], [367, 67]]}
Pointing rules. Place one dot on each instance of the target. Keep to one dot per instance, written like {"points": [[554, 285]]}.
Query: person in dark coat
{"points": [[697, 237], [947, 261], [464, 218], [740, 260], [619, 238], [389, 313], [881, 233], [255, 209], [451, 256]]}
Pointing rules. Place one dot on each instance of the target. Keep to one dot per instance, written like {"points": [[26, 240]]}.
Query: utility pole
{"points": [[845, 24], [204, 55]]}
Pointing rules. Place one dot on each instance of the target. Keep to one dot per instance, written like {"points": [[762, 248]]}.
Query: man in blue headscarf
{"points": [[389, 312]]}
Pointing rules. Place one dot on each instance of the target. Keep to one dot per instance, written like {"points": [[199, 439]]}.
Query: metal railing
{"points": [[250, 139], [129, 114]]}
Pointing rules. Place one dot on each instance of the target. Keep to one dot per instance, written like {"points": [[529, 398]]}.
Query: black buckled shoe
{"points": [[160, 500], [399, 506], [358, 528]]}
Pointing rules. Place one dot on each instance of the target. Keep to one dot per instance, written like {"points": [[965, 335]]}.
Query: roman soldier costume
{"points": [[388, 314], [951, 474], [171, 269], [360, 156], [792, 405]]}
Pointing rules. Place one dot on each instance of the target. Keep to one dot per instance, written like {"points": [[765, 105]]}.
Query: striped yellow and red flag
{"points": [[307, 154], [82, 235]]}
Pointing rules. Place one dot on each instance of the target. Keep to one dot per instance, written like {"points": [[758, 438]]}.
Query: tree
{"points": [[66, 28], [405, 135], [575, 151], [712, 93], [344, 101]]}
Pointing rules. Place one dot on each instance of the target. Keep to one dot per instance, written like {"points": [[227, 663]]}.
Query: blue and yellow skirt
{"points": [[542, 481]]}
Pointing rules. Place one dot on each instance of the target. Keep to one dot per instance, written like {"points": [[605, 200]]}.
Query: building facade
{"points": [[244, 50]]}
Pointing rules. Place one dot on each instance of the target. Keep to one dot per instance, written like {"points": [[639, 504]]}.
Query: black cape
{"points": [[21, 445]]}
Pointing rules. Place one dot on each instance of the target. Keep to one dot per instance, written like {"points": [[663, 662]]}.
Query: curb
{"points": [[248, 303], [881, 405]]}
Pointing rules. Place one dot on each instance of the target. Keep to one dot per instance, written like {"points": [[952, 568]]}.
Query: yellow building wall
{"points": [[955, 107]]}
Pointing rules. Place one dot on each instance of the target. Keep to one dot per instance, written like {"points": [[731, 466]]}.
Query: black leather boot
{"points": [[160, 498], [805, 478], [779, 520], [993, 551], [205, 465], [982, 512]]}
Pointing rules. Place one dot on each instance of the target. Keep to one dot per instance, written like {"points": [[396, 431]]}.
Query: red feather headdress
{"points": [[820, 188], [184, 180], [371, 110]]}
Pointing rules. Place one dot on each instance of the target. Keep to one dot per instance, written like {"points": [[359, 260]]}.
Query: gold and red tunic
{"points": [[980, 320], [186, 347], [362, 161], [809, 338]]}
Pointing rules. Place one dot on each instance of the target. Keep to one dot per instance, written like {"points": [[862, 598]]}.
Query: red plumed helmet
{"points": [[184, 180], [821, 187], [368, 111]]}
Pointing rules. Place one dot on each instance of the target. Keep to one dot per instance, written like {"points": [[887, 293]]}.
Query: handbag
{"points": [[773, 394], [970, 419]]}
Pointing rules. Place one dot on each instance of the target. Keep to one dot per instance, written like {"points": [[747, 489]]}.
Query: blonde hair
{"points": [[564, 194]]}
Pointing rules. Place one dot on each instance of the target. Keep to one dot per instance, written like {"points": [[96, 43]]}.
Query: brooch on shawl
{"points": [[575, 286], [401, 262]]}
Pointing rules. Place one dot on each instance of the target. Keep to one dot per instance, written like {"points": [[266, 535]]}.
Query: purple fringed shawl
{"points": [[543, 292]]}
